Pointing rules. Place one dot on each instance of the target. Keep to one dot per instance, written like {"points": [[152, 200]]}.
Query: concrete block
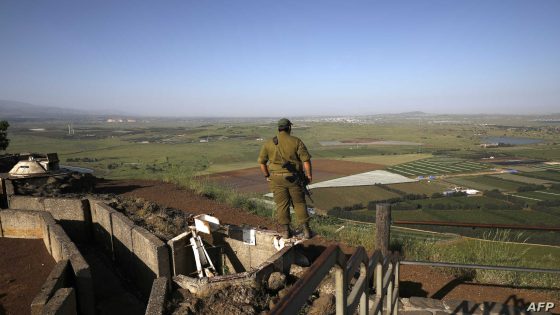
{"points": [[84, 284], [102, 226], [122, 241], [182, 256], [9, 188], [244, 257], [47, 221], [62, 303], [21, 224], [73, 214], [59, 243], [156, 302], [152, 258], [426, 303], [26, 203], [58, 278], [64, 248]]}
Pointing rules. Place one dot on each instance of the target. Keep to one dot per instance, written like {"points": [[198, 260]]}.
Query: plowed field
{"points": [[251, 179]]}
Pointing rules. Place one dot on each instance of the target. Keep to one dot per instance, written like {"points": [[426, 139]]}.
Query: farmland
{"points": [[421, 187], [251, 179], [485, 182], [546, 175], [551, 167], [224, 151], [327, 198], [437, 166], [523, 179]]}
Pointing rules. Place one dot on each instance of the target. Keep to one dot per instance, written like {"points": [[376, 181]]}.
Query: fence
{"points": [[354, 277], [380, 272]]}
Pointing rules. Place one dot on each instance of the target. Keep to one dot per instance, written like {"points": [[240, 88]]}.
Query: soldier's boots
{"points": [[286, 231], [307, 233]]}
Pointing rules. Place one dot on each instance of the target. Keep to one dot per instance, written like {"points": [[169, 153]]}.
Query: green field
{"points": [[388, 159], [437, 166], [522, 179], [546, 175], [485, 182], [467, 202], [327, 198], [551, 167], [421, 187], [522, 217], [538, 195]]}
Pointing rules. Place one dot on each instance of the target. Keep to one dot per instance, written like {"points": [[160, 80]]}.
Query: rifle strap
{"points": [[275, 140]]}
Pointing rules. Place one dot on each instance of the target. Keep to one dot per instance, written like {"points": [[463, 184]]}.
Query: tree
{"points": [[4, 141]]}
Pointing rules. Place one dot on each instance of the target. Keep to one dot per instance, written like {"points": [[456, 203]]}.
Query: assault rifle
{"points": [[303, 182]]}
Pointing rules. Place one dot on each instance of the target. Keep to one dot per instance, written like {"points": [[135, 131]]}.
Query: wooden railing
{"points": [[354, 280]]}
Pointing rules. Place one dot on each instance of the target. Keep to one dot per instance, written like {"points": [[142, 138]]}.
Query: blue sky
{"points": [[276, 58]]}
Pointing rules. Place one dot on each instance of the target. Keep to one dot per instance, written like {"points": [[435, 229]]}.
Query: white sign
{"points": [[249, 236]]}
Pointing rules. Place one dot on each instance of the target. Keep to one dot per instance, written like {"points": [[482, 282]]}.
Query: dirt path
{"points": [[24, 267]]}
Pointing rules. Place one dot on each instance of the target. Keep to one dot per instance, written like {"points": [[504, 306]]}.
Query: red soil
{"points": [[24, 266], [173, 196], [251, 179], [433, 283]]}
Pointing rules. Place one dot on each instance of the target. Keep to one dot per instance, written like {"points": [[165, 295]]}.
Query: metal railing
{"points": [[480, 225], [475, 266], [351, 292]]}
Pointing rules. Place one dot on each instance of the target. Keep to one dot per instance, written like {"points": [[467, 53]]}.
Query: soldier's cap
{"points": [[284, 122]]}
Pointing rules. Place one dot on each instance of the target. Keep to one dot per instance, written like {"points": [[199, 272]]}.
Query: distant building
{"points": [[461, 189], [110, 120]]}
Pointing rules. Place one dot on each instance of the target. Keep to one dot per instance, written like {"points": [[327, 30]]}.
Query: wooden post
{"points": [[364, 300], [341, 286], [383, 227]]}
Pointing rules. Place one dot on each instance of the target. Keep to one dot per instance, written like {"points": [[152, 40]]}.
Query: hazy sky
{"points": [[275, 58]]}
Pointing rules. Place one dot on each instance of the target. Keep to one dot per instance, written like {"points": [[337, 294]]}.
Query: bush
{"points": [[437, 195], [530, 187]]}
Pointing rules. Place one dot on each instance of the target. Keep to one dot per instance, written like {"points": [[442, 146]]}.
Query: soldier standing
{"points": [[285, 163]]}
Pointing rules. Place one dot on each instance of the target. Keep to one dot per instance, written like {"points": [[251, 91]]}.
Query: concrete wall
{"points": [[138, 253], [243, 257], [158, 295], [62, 303], [21, 224], [152, 258], [102, 225], [57, 279], [73, 214], [41, 225]]}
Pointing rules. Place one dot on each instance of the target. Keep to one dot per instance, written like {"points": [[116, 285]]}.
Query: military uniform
{"points": [[284, 161]]}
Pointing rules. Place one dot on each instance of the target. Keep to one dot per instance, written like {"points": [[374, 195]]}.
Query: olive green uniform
{"points": [[285, 164]]}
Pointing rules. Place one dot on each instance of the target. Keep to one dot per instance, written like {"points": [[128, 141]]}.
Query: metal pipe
{"points": [[473, 266]]}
